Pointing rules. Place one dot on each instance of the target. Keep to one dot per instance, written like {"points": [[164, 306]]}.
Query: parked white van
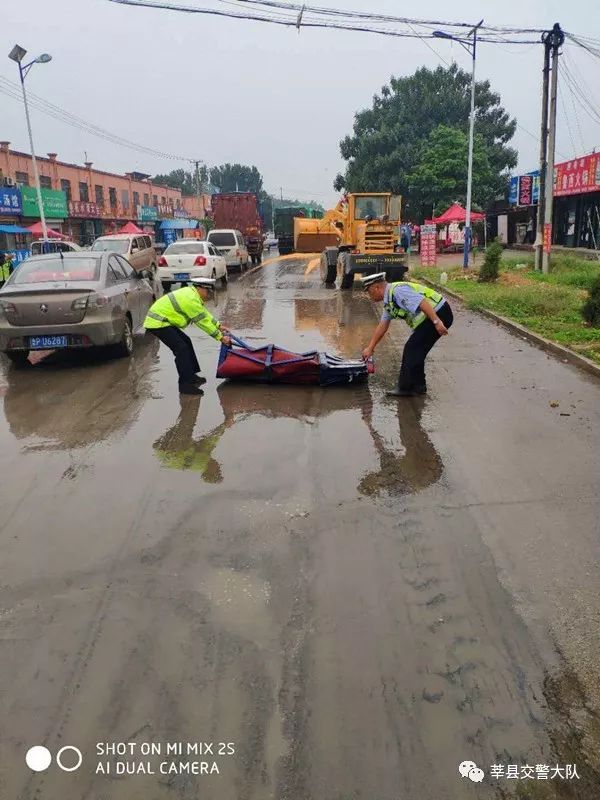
{"points": [[230, 244]]}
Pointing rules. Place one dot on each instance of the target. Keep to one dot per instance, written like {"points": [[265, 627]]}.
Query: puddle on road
{"points": [[70, 400]]}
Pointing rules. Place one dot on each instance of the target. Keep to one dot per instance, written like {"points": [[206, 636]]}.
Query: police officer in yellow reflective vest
{"points": [[176, 310], [5, 268], [426, 311]]}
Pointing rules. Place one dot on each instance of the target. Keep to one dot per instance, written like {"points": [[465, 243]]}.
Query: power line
{"points": [[12, 90], [309, 22]]}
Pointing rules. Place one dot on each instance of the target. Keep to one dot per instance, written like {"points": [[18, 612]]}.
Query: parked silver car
{"points": [[66, 300]]}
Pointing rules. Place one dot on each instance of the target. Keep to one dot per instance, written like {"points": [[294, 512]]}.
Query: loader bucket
{"points": [[313, 235], [315, 242]]}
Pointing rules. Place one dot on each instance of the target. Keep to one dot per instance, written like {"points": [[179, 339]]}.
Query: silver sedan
{"points": [[72, 300]]}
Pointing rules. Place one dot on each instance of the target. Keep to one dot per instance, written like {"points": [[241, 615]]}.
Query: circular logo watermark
{"points": [[39, 758]]}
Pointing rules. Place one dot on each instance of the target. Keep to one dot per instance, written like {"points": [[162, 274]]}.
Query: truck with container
{"points": [[239, 211], [284, 227]]}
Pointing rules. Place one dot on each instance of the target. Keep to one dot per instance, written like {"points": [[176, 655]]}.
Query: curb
{"points": [[520, 330]]}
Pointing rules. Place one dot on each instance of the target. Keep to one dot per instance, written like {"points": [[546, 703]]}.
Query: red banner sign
{"points": [[577, 176], [428, 245], [79, 208], [547, 237]]}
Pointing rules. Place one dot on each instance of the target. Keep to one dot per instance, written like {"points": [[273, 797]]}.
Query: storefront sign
{"points": [[547, 237], [147, 213], [10, 201], [83, 209], [55, 203], [428, 245], [165, 211], [18, 256], [577, 176], [524, 190], [180, 213], [169, 236]]}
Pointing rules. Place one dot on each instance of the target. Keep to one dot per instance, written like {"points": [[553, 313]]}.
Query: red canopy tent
{"points": [[36, 229], [456, 213], [130, 227]]}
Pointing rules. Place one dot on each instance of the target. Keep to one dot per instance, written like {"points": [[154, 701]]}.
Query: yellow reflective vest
{"points": [[181, 308], [4, 269], [413, 320]]}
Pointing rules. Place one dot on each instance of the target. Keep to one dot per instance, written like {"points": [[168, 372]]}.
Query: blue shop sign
{"points": [[513, 192], [10, 201], [18, 256]]}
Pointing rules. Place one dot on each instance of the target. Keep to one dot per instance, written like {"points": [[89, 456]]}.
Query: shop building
{"points": [[576, 220], [82, 202]]}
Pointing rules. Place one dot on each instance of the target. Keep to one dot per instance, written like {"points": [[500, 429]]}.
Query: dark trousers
{"points": [[425, 335], [182, 348]]}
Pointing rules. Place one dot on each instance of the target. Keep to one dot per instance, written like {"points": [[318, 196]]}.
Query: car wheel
{"points": [[125, 347], [213, 274], [19, 358], [224, 279]]}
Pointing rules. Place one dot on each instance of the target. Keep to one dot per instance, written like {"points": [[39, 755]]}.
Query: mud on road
{"points": [[357, 594]]}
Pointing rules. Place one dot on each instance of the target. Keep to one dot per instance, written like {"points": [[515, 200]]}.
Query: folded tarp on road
{"points": [[272, 364]]}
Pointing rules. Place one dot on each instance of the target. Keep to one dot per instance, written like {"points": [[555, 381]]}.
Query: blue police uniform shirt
{"points": [[405, 297]]}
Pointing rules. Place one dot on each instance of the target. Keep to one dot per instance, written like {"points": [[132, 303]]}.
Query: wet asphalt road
{"points": [[359, 594]]}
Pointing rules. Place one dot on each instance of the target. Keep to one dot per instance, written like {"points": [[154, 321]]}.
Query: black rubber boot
{"points": [[402, 393], [199, 380]]}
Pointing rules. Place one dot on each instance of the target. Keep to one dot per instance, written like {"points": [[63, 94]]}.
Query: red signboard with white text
{"points": [[577, 176], [428, 245]]}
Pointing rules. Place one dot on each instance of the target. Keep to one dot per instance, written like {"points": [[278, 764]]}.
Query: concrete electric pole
{"points": [[556, 37], [539, 239]]}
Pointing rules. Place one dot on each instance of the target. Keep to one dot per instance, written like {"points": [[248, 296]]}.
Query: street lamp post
{"points": [[17, 54], [471, 47]]}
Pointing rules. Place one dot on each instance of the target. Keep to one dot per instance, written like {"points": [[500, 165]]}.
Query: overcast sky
{"points": [[224, 90]]}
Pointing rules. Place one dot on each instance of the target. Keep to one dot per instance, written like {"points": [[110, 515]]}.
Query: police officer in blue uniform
{"points": [[427, 313]]}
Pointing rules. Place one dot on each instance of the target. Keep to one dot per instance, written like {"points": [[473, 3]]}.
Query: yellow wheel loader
{"points": [[358, 236]]}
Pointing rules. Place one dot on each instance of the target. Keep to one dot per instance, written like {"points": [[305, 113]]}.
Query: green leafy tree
{"points": [[236, 178], [385, 147], [177, 179], [440, 176]]}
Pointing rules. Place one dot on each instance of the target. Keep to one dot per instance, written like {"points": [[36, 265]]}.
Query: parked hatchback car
{"points": [[230, 244], [60, 301], [187, 259], [138, 250]]}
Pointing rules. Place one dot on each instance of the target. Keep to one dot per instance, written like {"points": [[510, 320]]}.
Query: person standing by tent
{"points": [[176, 310], [405, 236], [426, 311]]}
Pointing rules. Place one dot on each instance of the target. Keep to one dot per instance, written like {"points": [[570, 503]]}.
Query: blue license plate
{"points": [[48, 342], [182, 276]]}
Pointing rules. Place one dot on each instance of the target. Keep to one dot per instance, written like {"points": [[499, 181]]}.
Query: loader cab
{"points": [[373, 220]]}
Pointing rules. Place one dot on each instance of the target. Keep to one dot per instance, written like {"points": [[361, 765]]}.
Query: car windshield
{"points": [[370, 207], [184, 247], [223, 239], [111, 245], [50, 270]]}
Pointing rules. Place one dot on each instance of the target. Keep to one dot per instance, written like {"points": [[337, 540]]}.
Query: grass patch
{"points": [[546, 304]]}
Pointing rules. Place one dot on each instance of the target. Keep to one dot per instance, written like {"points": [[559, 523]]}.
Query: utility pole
{"points": [[468, 230], [557, 38], [539, 239], [471, 47], [198, 187], [281, 193]]}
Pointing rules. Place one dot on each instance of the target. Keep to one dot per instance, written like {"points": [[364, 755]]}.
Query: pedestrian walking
{"points": [[427, 313], [176, 310]]}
